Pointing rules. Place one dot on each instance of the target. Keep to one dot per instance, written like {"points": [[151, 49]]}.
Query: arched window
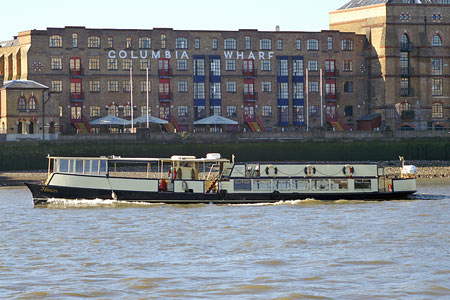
{"points": [[163, 41], [145, 43], [312, 44], [404, 40], [75, 40], [437, 41], [437, 110], [55, 41], [22, 103], [181, 43], [32, 103], [229, 44], [93, 41]]}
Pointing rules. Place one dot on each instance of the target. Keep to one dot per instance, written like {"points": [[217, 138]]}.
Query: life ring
{"points": [[348, 170], [310, 170], [276, 195], [271, 169]]}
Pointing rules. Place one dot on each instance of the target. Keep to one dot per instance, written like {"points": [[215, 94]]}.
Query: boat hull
{"points": [[42, 193]]}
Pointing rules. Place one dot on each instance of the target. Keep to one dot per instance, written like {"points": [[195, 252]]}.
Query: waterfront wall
{"points": [[32, 155]]}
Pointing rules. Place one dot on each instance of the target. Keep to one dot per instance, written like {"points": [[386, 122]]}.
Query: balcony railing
{"points": [[76, 96], [331, 73], [76, 72], [331, 97], [165, 96], [408, 115], [165, 72], [250, 96], [249, 73]]}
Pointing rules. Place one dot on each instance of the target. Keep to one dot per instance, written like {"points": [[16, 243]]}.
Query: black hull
{"points": [[41, 194]]}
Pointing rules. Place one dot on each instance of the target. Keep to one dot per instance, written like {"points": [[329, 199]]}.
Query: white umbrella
{"points": [[215, 120], [143, 119], [110, 120]]}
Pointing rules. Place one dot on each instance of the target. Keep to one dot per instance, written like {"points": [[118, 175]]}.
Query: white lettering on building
{"points": [[143, 54]]}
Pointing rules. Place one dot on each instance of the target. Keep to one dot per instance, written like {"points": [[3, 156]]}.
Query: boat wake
{"points": [[57, 202]]}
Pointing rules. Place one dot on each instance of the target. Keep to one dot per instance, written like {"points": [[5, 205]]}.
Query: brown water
{"points": [[294, 250]]}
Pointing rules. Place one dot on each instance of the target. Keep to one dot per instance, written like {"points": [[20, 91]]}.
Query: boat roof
{"points": [[114, 158]]}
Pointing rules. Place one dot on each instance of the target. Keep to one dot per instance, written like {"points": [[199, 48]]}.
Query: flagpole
{"points": [[307, 98], [131, 96], [147, 101], [321, 99]]}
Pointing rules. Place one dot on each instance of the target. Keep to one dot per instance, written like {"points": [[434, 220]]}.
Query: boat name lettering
{"points": [[48, 190]]}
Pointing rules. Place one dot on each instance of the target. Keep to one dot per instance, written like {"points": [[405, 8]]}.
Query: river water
{"points": [[294, 250]]}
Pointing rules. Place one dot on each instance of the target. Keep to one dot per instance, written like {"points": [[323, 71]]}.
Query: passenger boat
{"points": [[213, 179]]}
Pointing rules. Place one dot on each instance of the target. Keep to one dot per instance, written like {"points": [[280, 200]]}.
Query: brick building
{"points": [[377, 58]]}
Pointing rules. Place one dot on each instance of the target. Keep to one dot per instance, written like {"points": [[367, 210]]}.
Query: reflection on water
{"points": [[305, 249]]}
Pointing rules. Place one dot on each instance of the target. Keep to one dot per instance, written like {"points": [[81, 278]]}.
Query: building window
{"points": [[94, 86], [436, 88], [32, 104], [330, 43], [215, 90], [266, 65], [60, 108], [330, 88], [199, 67], [56, 86], [347, 66], [94, 111], [127, 110], [299, 115], [231, 86], [199, 112], [283, 68], [437, 110], [145, 43], [266, 86], [144, 113], [126, 86], [112, 64], [405, 43], [74, 40], [215, 44], [215, 110], [248, 43], [404, 87], [144, 86], [298, 44], [298, 90], [231, 111], [128, 43], [94, 64], [126, 64], [199, 90], [313, 65], [197, 43], [283, 90], [312, 45], [279, 44], [110, 41], [55, 41], [436, 66], [266, 111], [314, 111], [163, 41], [348, 111], [436, 41], [145, 64], [347, 45], [93, 42], [56, 63], [182, 111], [404, 63], [182, 64], [215, 67], [181, 43], [283, 113], [348, 87], [297, 67], [265, 44], [113, 86], [313, 86], [230, 65], [182, 86], [22, 103], [229, 44]]}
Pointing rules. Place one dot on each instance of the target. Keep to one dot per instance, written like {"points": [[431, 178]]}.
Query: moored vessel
{"points": [[213, 179]]}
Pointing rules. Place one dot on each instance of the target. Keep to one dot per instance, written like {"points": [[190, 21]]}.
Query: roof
{"points": [[362, 3], [9, 43], [23, 84], [369, 117]]}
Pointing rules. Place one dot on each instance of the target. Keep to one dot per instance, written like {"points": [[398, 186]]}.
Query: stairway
{"points": [[337, 126], [169, 127], [82, 128]]}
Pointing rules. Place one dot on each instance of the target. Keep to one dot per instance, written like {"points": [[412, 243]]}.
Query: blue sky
{"points": [[296, 15]]}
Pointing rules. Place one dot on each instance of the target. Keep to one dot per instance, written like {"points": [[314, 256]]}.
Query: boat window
{"points": [[242, 185], [63, 165], [71, 165], [262, 185], [339, 184], [79, 166], [300, 184], [87, 166], [282, 185], [103, 164], [320, 185], [95, 167], [363, 184]]}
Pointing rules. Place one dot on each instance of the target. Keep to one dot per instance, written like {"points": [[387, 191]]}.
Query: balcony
{"points": [[249, 73], [331, 97], [408, 115], [76, 72], [331, 73], [406, 47], [250, 96], [165, 73], [76, 96], [165, 96]]}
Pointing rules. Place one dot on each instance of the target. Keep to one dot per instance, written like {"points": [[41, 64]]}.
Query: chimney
{"points": [[277, 28]]}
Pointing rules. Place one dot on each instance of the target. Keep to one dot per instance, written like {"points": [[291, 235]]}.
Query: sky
{"points": [[290, 15]]}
